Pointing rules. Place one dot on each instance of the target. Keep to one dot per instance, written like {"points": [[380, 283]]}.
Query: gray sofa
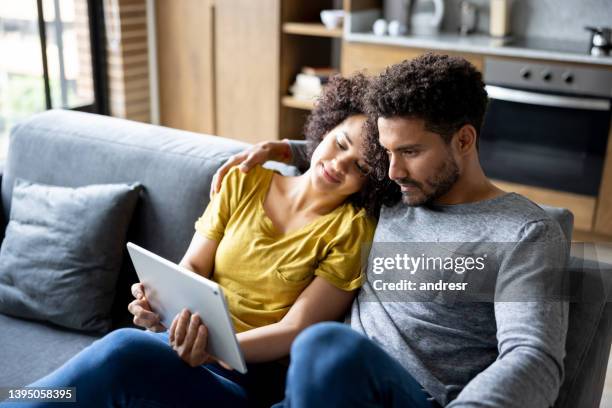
{"points": [[73, 149]]}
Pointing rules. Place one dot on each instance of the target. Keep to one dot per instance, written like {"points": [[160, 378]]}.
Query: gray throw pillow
{"points": [[62, 252]]}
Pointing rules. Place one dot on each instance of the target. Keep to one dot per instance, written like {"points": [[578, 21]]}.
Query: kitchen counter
{"points": [[547, 49]]}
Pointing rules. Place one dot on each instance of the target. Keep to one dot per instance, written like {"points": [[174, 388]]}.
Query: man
{"points": [[503, 353]]}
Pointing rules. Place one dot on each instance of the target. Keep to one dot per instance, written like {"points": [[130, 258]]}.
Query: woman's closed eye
{"points": [[363, 169]]}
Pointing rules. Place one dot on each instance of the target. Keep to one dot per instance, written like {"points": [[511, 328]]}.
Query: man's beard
{"points": [[439, 184]]}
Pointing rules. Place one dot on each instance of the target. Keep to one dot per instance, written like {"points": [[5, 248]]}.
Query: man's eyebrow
{"points": [[407, 146]]}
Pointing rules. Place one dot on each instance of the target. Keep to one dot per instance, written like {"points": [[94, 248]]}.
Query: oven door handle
{"points": [[533, 98]]}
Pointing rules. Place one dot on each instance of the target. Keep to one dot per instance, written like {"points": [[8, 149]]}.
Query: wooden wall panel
{"points": [[247, 47], [185, 63]]}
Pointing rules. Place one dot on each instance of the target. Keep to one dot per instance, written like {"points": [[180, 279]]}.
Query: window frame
{"points": [[97, 40]]}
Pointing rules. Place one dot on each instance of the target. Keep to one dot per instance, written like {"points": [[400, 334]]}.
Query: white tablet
{"points": [[169, 288]]}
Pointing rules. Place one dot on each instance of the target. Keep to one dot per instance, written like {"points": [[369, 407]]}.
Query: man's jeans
{"points": [[134, 368], [334, 366]]}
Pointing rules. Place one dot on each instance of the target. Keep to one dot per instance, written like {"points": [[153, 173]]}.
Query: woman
{"points": [[287, 252]]}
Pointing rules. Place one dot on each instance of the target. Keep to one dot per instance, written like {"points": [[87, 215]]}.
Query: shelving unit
{"points": [[304, 42]]}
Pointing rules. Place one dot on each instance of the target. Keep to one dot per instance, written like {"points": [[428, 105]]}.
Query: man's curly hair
{"points": [[343, 97], [446, 92]]}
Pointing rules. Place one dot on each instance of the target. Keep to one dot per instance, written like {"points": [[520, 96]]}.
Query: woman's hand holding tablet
{"points": [[143, 314]]}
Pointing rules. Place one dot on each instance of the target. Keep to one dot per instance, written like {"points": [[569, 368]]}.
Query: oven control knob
{"points": [[546, 75], [525, 73], [568, 77]]}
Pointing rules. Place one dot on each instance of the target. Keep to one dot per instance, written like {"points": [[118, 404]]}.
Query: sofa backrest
{"points": [[68, 148]]}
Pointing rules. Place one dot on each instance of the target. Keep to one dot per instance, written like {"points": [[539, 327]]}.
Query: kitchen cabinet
{"points": [[373, 58]]}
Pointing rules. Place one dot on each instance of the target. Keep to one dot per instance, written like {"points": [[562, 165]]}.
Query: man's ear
{"points": [[465, 139]]}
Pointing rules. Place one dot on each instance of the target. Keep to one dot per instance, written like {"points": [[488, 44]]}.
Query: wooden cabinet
{"points": [[185, 51], [219, 66], [246, 69], [373, 58]]}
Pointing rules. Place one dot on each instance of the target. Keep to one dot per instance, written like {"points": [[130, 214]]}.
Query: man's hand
{"points": [[189, 337], [258, 154], [140, 308]]}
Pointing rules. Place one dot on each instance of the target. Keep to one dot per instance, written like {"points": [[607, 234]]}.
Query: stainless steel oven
{"points": [[547, 125]]}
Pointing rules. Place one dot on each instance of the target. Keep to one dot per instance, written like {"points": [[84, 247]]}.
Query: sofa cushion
{"points": [[62, 252], [31, 350]]}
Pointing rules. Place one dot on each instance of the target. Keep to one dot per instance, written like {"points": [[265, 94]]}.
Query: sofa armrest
{"points": [[589, 331]]}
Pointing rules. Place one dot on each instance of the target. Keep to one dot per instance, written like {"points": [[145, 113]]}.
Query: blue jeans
{"points": [[134, 368], [334, 366]]}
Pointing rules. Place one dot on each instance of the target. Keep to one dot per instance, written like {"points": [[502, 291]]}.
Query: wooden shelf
{"points": [[312, 29], [291, 102]]}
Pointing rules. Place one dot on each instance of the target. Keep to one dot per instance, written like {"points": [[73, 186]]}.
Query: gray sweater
{"points": [[503, 353]]}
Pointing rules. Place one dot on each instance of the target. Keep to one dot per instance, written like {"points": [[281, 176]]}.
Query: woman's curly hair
{"points": [[343, 97]]}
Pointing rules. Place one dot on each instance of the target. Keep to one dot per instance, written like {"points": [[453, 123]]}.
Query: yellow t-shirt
{"points": [[263, 271]]}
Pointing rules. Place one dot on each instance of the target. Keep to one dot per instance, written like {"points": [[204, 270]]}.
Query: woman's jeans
{"points": [[135, 368], [334, 366]]}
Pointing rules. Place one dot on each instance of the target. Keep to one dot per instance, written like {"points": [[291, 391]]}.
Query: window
{"points": [[69, 74]]}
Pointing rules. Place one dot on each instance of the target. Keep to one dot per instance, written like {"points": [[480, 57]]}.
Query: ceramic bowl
{"points": [[332, 18]]}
